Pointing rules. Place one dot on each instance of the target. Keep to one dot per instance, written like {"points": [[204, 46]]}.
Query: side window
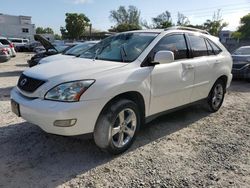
{"points": [[209, 48], [216, 49], [198, 46], [175, 43]]}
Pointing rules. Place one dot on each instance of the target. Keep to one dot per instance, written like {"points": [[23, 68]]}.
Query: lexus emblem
{"points": [[23, 81]]}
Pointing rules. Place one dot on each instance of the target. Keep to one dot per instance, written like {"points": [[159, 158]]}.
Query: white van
{"points": [[19, 43]]}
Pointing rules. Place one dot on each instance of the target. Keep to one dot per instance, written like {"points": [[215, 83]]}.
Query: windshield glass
{"points": [[242, 51], [125, 47], [79, 49], [60, 49]]}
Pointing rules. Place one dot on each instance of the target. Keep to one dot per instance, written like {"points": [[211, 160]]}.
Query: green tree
{"points": [[244, 28], [64, 32], [41, 30], [75, 25], [163, 20], [215, 25], [182, 20], [48, 30], [58, 37], [125, 19]]}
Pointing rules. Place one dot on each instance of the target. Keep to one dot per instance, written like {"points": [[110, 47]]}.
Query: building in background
{"points": [[225, 35], [17, 27]]}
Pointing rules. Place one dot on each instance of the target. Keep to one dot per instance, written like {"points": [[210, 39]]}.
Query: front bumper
{"points": [[243, 72], [45, 112]]}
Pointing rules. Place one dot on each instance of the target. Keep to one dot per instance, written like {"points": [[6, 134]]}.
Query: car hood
{"points": [[57, 57], [46, 44], [241, 58], [72, 69]]}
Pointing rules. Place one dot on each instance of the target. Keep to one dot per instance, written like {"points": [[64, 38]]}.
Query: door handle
{"points": [[188, 66]]}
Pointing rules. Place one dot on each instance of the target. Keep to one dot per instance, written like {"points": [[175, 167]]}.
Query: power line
{"points": [[206, 9]]}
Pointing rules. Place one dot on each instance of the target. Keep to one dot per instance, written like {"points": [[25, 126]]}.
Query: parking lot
{"points": [[188, 148]]}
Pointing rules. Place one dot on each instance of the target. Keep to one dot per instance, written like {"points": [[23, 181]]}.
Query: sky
{"points": [[51, 13]]}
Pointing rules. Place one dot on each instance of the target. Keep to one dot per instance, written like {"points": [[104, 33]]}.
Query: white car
{"points": [[122, 82], [7, 44], [69, 54]]}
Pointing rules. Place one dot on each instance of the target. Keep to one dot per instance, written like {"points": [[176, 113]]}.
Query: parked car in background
{"points": [[7, 44], [49, 49], [241, 63], [123, 81], [4, 54], [19, 43], [29, 47], [73, 52]]}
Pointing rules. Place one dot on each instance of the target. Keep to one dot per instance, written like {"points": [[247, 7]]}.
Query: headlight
{"points": [[69, 91]]}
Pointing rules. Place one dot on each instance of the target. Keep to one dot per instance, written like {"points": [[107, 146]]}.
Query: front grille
{"points": [[29, 84]]}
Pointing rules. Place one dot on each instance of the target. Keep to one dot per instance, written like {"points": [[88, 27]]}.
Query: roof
{"points": [[176, 29]]}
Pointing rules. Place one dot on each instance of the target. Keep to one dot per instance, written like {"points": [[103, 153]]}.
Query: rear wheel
{"points": [[117, 126], [216, 96]]}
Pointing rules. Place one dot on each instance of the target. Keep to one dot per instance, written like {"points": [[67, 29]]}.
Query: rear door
{"points": [[171, 83], [203, 73]]}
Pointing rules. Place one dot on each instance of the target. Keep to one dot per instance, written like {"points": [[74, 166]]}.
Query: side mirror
{"points": [[164, 57]]}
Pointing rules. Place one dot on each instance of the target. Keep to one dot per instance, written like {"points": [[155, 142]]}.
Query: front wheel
{"points": [[216, 96], [117, 126]]}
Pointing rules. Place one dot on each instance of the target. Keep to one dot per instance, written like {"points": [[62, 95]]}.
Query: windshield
{"points": [[79, 49], [125, 47], [60, 49], [242, 51]]}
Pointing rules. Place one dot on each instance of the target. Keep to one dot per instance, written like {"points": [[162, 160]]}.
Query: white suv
{"points": [[122, 82]]}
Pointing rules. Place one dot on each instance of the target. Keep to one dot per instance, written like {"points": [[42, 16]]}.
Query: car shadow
{"points": [[10, 74], [5, 93], [239, 86], [28, 153], [22, 65]]}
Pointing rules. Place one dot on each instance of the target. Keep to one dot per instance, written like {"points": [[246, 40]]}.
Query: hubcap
{"points": [[124, 127], [217, 96]]}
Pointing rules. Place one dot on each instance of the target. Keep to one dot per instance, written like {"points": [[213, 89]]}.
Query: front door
{"points": [[172, 83]]}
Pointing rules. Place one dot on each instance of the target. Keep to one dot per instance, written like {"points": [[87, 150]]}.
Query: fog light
{"points": [[65, 123]]}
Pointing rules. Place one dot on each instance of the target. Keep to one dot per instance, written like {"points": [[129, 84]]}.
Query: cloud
{"points": [[81, 1]]}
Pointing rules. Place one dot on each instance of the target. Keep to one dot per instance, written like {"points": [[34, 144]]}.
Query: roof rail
{"points": [[188, 29]]}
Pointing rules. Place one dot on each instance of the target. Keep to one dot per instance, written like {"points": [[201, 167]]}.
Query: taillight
{"points": [[5, 50], [12, 45]]}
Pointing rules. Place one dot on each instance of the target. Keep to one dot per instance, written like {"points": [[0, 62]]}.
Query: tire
{"points": [[112, 133], [216, 96]]}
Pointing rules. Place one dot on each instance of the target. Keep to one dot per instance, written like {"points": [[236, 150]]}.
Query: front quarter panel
{"points": [[112, 83]]}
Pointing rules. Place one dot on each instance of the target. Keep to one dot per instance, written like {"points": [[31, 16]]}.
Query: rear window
{"points": [[199, 47], [4, 42], [215, 48], [16, 41]]}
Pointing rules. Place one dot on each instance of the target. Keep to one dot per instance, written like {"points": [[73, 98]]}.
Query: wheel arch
{"points": [[224, 78], [134, 96]]}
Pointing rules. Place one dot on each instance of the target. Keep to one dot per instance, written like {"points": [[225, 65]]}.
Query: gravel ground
{"points": [[188, 148]]}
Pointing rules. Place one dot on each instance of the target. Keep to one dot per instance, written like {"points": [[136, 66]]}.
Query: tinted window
{"points": [[209, 48], [198, 45], [16, 40], [216, 49], [174, 43], [4, 41]]}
